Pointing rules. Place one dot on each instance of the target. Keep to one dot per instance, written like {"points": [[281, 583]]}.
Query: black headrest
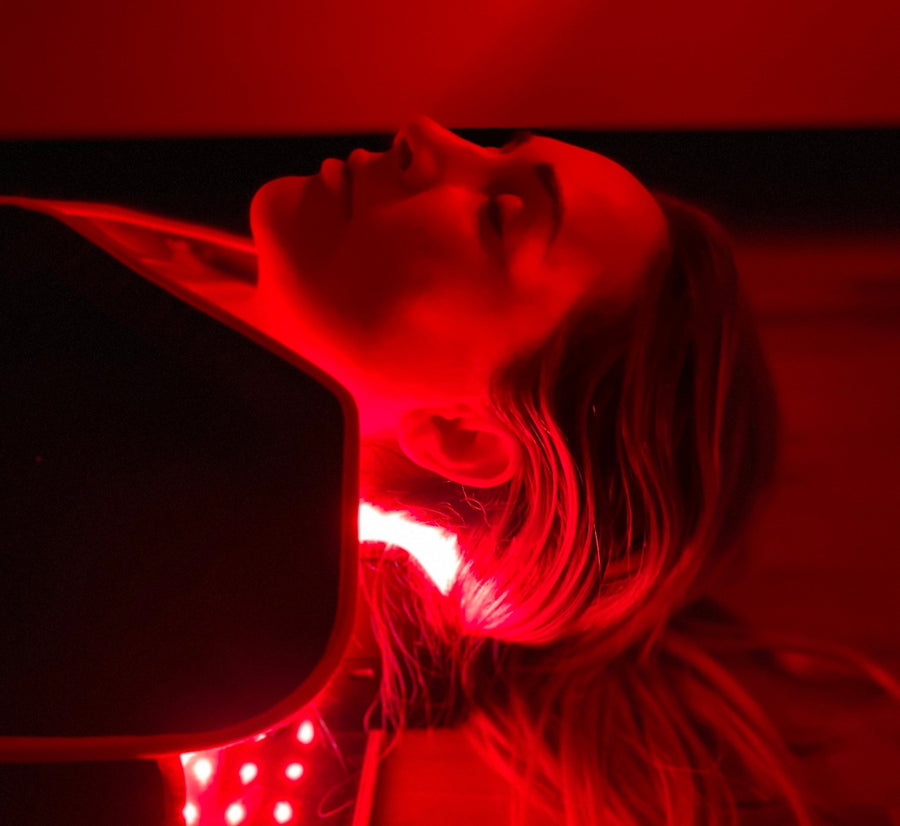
{"points": [[175, 504]]}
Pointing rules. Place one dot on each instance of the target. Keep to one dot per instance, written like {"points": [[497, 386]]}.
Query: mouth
{"points": [[337, 178]]}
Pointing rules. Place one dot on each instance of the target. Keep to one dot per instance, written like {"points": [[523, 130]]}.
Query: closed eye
{"points": [[494, 212], [501, 207], [491, 230], [495, 215]]}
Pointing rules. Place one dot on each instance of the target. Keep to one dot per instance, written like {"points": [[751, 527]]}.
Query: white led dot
{"points": [[235, 814], [294, 771], [283, 812], [191, 814], [248, 773], [306, 732], [186, 757], [203, 770]]}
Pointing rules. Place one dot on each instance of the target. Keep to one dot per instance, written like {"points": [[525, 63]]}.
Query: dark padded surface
{"points": [[86, 794], [170, 503], [771, 179]]}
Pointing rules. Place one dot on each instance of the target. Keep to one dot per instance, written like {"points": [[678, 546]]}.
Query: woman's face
{"points": [[444, 259]]}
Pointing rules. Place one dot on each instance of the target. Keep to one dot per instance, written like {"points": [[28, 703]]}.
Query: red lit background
{"points": [[825, 550], [102, 68]]}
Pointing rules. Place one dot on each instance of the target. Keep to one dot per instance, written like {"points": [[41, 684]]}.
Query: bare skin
{"points": [[453, 258]]}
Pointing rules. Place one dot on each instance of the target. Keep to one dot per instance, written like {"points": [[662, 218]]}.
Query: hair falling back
{"points": [[581, 639]]}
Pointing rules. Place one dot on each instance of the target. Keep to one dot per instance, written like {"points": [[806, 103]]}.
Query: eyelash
{"points": [[495, 214]]}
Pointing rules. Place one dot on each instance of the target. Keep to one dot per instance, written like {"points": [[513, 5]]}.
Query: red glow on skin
{"points": [[438, 556], [414, 284]]}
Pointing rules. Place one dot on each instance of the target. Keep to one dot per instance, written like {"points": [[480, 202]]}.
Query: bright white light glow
{"points": [[203, 770], [306, 732], [294, 771], [436, 550], [283, 812], [235, 814]]}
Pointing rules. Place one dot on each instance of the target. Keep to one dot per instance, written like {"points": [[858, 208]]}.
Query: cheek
{"points": [[427, 232], [392, 260], [296, 220], [460, 339], [376, 262]]}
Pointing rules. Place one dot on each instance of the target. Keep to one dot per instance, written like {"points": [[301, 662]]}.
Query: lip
{"points": [[348, 189], [337, 177]]}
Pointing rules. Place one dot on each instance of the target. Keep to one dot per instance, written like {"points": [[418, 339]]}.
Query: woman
{"points": [[559, 367]]}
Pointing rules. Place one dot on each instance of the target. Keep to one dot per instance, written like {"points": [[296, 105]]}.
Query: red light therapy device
{"points": [[308, 750]]}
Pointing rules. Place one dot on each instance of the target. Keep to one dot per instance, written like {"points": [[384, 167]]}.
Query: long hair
{"points": [[581, 638]]}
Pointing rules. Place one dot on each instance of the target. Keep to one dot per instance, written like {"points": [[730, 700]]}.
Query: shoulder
{"points": [[844, 730]]}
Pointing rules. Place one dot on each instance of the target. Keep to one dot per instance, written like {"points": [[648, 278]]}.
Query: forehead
{"points": [[612, 228], [589, 176], [555, 149]]}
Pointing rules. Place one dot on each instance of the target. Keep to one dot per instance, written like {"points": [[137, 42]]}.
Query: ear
{"points": [[161, 249], [461, 443]]}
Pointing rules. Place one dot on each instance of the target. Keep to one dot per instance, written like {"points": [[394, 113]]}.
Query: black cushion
{"points": [[170, 503], [85, 794]]}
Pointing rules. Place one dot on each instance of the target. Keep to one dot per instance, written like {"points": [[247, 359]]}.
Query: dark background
{"points": [[753, 179]]}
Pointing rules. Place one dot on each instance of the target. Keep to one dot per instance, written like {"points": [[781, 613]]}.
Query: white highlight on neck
{"points": [[436, 550]]}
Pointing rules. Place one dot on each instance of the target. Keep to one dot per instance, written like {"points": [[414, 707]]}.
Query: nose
{"points": [[425, 151], [422, 128]]}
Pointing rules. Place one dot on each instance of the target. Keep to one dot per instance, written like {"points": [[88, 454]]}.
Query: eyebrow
{"points": [[546, 174]]}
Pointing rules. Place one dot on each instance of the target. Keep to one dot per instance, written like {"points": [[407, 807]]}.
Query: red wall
{"points": [[105, 68], [825, 555]]}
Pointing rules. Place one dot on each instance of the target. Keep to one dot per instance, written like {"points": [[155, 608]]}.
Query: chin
{"points": [[298, 221], [275, 206]]}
